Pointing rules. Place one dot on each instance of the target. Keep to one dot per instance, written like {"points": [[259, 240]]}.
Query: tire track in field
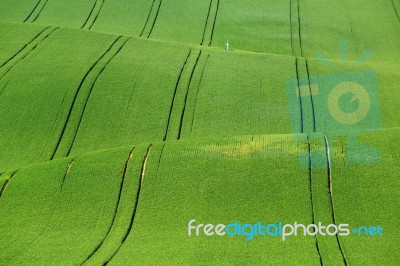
{"points": [[300, 96], [291, 26], [91, 89], [33, 10], [174, 95], [141, 178], [118, 44], [155, 19], [310, 177], [148, 17], [27, 49], [186, 95], [66, 174], [299, 22], [23, 47], [395, 10], [311, 96], [5, 184], [197, 93], [90, 14], [208, 31], [121, 186], [32, 17], [205, 26], [93, 15], [213, 26], [329, 174]]}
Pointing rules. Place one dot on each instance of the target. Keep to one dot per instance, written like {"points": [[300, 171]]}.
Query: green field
{"points": [[121, 121]]}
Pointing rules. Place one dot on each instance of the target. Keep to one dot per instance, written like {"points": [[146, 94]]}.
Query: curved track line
{"points": [[173, 97], [40, 11], [66, 174], [90, 14], [213, 27], [141, 177], [311, 97], [205, 26], [147, 19], [186, 96], [29, 52], [395, 10], [90, 92], [33, 10], [97, 15], [23, 47], [155, 19], [300, 99], [310, 177], [329, 167], [299, 21], [3, 188], [121, 185], [197, 93]]}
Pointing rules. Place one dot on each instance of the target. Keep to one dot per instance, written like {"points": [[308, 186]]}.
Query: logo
{"points": [[342, 104], [251, 230]]}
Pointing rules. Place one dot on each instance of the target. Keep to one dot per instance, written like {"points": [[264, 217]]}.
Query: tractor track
{"points": [[395, 10], [213, 27], [66, 174], [74, 101], [155, 19], [91, 89], [77, 93], [311, 97], [173, 97], [205, 26], [23, 47], [310, 177], [33, 10], [124, 170], [291, 26], [85, 24], [197, 93], [8, 180], [29, 52], [300, 99], [141, 177], [299, 21], [147, 19], [40, 11], [186, 96], [329, 174], [97, 15]]}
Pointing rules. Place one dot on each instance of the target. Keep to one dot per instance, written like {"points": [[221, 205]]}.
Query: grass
{"points": [[120, 121]]}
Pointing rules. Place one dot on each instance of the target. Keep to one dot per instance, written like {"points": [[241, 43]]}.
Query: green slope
{"points": [[120, 121]]}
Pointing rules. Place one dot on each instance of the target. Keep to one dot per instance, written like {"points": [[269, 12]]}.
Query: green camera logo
{"points": [[339, 104]]}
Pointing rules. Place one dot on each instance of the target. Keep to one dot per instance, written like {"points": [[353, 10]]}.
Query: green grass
{"points": [[120, 121], [33, 117]]}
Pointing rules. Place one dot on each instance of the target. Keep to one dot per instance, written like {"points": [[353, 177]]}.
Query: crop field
{"points": [[132, 131]]}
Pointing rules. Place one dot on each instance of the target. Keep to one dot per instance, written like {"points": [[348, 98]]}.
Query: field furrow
{"points": [[330, 189], [109, 236], [93, 12], [81, 98], [132, 220], [312, 201], [36, 11], [27, 49]]}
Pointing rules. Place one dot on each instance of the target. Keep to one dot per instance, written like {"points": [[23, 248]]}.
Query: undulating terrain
{"points": [[122, 120]]}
